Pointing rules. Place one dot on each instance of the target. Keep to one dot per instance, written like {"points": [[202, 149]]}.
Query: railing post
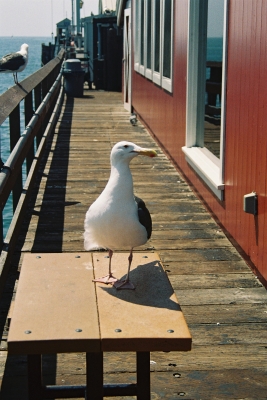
{"points": [[14, 127], [28, 108], [37, 102], [44, 87]]}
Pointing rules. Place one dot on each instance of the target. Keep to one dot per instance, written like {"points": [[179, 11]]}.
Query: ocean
{"points": [[8, 45], [214, 53], [214, 48]]}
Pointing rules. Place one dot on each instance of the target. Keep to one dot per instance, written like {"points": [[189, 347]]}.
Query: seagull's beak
{"points": [[145, 152]]}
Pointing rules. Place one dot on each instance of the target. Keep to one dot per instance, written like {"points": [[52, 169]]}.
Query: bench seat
{"points": [[58, 309]]}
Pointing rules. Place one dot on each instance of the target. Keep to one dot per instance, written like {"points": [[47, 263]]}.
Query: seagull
{"points": [[117, 218], [15, 62]]}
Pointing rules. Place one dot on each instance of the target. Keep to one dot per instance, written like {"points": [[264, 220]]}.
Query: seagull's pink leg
{"points": [[108, 278], [126, 284]]}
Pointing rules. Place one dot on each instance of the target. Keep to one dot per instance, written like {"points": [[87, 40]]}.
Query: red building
{"points": [[195, 73]]}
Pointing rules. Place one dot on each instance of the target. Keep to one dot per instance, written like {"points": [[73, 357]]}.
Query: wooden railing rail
{"points": [[42, 93], [39, 82]]}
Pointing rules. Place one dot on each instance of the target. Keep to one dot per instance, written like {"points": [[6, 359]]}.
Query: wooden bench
{"points": [[58, 309]]}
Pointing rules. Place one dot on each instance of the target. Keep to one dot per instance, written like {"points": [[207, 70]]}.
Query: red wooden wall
{"points": [[246, 121]]}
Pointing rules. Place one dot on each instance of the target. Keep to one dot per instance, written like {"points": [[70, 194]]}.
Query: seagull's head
{"points": [[24, 48], [126, 151]]}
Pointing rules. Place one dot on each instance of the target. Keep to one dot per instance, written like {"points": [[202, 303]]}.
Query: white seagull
{"points": [[15, 62], [118, 219]]}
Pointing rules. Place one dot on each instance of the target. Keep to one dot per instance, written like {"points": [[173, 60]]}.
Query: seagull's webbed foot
{"points": [[119, 285], [106, 279], [109, 278]]}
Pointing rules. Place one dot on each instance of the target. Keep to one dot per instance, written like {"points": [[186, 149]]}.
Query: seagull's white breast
{"points": [[112, 220]]}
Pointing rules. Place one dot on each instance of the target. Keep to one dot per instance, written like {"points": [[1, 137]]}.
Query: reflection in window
{"points": [[214, 61], [137, 35], [157, 36], [142, 15], [148, 33], [167, 38]]}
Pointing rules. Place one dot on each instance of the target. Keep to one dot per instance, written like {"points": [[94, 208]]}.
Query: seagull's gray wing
{"points": [[11, 62], [144, 216]]}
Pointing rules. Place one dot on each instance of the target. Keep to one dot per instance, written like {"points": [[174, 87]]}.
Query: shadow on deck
{"points": [[223, 302]]}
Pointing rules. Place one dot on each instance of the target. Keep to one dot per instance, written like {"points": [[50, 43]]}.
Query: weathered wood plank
{"points": [[221, 334], [222, 296], [217, 267], [231, 314], [201, 255], [206, 281]]}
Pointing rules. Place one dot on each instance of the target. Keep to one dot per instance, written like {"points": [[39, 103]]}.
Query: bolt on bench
{"points": [[58, 309]]}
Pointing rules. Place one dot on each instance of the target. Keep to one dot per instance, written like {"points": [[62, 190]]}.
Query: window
{"points": [[167, 39], [206, 66], [154, 41], [157, 41], [148, 39]]}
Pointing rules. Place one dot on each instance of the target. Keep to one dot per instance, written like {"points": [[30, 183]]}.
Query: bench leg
{"points": [[35, 377], [94, 376], [143, 375]]}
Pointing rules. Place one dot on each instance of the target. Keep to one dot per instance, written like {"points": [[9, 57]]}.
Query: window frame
{"points": [[156, 76], [206, 164]]}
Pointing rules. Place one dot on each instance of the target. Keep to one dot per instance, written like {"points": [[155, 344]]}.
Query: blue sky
{"points": [[37, 17], [215, 18]]}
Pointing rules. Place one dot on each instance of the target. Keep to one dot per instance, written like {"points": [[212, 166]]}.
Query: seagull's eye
{"points": [[126, 146]]}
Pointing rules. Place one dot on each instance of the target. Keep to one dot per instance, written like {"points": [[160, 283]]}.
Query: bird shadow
{"points": [[153, 288]]}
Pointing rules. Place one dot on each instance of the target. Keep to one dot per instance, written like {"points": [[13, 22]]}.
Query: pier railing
{"points": [[41, 94]]}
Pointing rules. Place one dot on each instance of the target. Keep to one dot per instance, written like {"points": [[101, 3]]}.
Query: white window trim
{"points": [[207, 166], [155, 76], [167, 84]]}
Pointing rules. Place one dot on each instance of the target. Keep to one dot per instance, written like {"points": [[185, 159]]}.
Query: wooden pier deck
{"points": [[224, 304]]}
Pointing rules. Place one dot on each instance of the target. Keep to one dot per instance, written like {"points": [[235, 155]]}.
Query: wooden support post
{"points": [[35, 377], [94, 376], [45, 87], [143, 375]]}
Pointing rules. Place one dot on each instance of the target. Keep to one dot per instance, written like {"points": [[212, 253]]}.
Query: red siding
{"points": [[246, 122], [246, 140]]}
